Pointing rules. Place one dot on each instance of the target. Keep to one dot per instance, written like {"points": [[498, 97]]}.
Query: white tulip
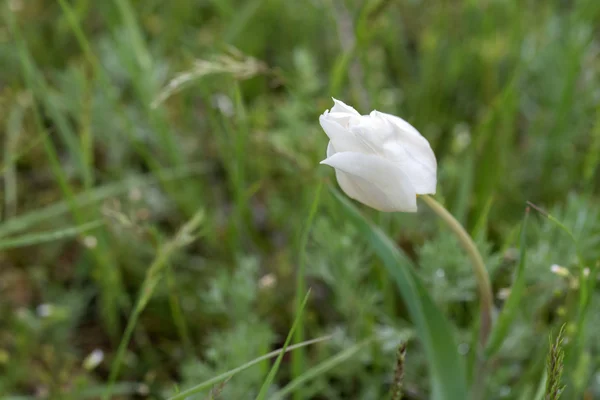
{"points": [[379, 159]]}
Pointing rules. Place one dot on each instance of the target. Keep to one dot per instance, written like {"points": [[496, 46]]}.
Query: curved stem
{"points": [[481, 275]]}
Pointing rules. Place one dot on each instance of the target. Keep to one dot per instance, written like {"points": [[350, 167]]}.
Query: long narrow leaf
{"points": [[320, 369], [265, 386], [446, 367], [44, 237], [153, 276], [510, 309], [220, 378], [298, 357], [96, 195]]}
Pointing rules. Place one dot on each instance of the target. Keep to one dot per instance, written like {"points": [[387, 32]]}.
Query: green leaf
{"points": [[446, 367], [267, 383], [154, 274], [226, 375], [320, 369], [45, 237], [298, 357], [510, 309]]}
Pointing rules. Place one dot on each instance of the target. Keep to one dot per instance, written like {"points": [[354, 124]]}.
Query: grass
{"points": [[120, 119]]}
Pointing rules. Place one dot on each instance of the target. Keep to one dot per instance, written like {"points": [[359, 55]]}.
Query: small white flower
{"points": [[267, 281], [45, 310], [379, 159], [558, 270], [503, 293], [586, 272], [90, 242], [93, 359], [224, 104]]}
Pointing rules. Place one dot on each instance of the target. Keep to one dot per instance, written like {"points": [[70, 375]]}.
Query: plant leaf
{"points": [[45, 237], [446, 367], [321, 368], [509, 311], [226, 375], [267, 383]]}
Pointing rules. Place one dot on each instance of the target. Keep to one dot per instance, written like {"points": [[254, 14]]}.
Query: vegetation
{"points": [[166, 228]]}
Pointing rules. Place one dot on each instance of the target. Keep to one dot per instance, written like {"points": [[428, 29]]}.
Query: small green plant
{"points": [[554, 367]]}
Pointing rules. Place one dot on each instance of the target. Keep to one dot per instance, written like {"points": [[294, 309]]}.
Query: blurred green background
{"points": [[121, 120]]}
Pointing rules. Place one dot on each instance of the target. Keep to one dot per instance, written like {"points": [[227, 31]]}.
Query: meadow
{"points": [[167, 231]]}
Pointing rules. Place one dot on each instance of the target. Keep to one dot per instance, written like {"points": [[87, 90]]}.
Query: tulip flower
{"points": [[380, 160], [383, 162]]}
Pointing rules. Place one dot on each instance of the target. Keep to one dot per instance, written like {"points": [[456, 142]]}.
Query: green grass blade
{"points": [[45, 237], [36, 81], [120, 390], [563, 228], [153, 277], [298, 357], [242, 17], [320, 369], [177, 311], [112, 295], [447, 372], [592, 158], [125, 389], [96, 195], [575, 348], [14, 125], [539, 394], [510, 309], [220, 378], [140, 69], [267, 383], [110, 89]]}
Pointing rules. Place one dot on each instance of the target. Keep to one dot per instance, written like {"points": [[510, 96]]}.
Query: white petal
{"points": [[373, 131], [342, 138], [330, 149], [373, 181], [411, 152], [341, 113], [341, 107]]}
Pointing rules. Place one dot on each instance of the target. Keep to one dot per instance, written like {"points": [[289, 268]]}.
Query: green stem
{"points": [[481, 275], [483, 284]]}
